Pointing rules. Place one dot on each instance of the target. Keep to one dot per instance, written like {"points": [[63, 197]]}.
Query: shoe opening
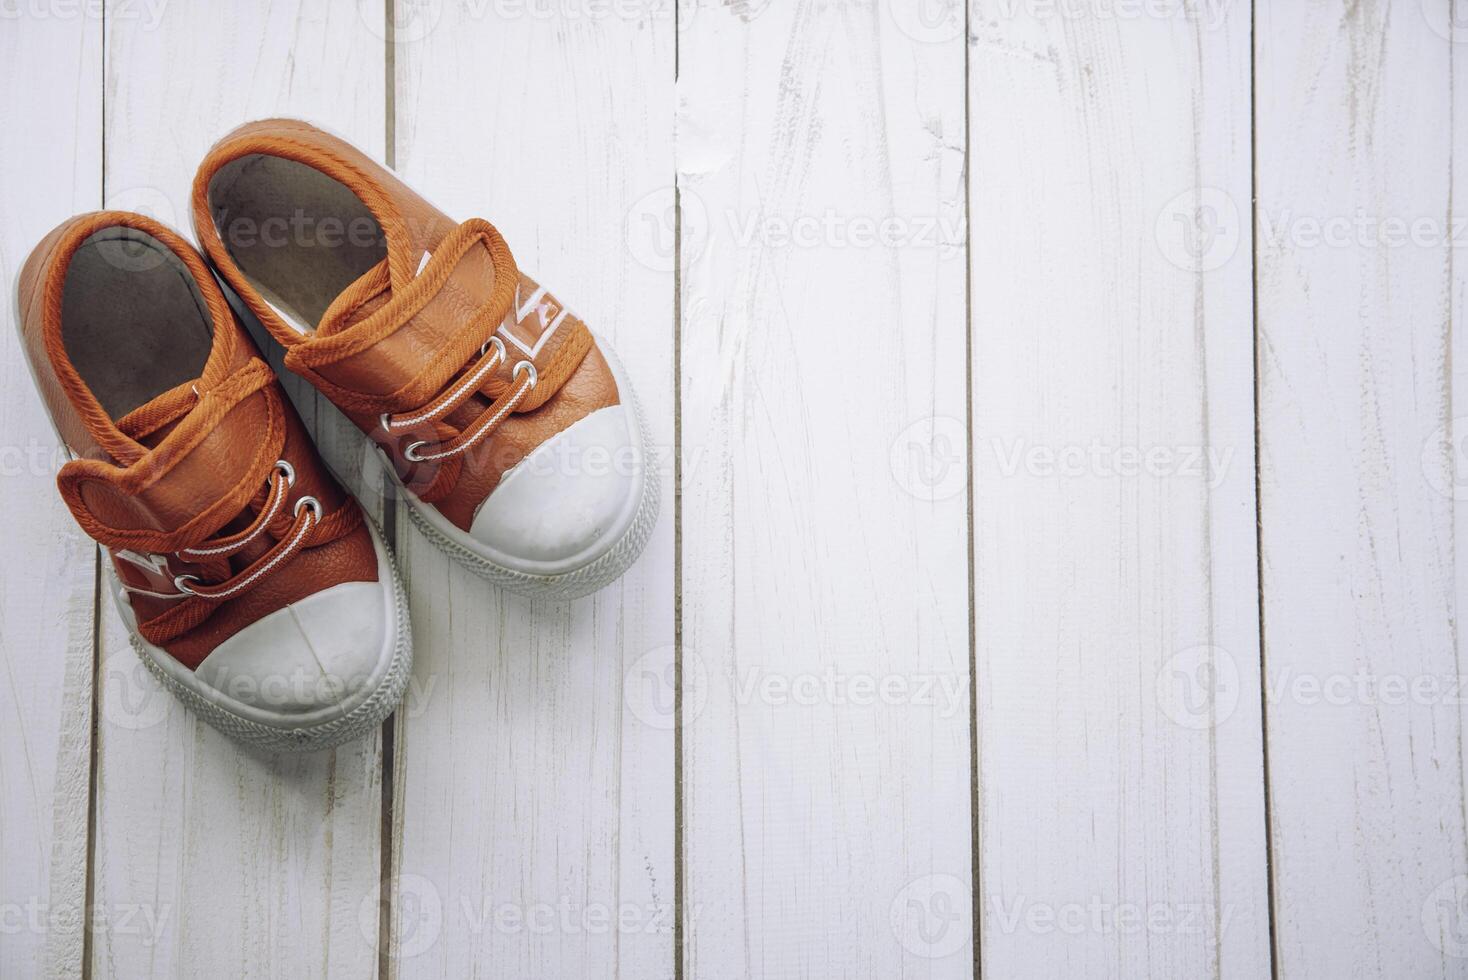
{"points": [[298, 236], [133, 321]]}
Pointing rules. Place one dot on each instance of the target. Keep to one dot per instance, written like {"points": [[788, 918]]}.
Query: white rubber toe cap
{"points": [[312, 655], [569, 500], [315, 661]]}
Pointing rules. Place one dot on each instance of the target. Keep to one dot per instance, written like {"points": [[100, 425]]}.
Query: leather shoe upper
{"points": [[423, 330]]}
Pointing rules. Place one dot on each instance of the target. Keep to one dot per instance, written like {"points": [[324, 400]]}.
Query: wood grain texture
{"points": [[46, 638], [808, 175], [1362, 478], [246, 864], [1120, 758], [534, 831], [825, 680]]}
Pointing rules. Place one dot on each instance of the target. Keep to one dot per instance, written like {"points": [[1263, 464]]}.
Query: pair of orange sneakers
{"points": [[253, 584]]}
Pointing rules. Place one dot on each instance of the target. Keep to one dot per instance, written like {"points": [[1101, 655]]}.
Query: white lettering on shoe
{"points": [[549, 315]]}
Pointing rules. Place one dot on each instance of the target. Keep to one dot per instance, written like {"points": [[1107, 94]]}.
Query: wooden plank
{"points": [[825, 655], [1120, 762], [1361, 483], [250, 864], [46, 630], [534, 807]]}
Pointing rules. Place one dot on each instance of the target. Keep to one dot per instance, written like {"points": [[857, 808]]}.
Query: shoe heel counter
{"points": [[30, 288]]}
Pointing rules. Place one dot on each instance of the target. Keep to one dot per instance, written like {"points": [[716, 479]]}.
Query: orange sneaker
{"points": [[510, 428], [250, 582]]}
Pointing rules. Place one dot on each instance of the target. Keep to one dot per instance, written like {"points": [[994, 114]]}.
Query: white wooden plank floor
{"points": [[1057, 573]]}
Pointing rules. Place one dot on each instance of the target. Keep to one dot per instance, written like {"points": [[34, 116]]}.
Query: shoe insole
{"points": [[132, 319], [299, 236]]}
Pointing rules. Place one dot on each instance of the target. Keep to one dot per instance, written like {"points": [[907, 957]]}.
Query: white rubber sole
{"points": [[595, 573], [364, 711]]}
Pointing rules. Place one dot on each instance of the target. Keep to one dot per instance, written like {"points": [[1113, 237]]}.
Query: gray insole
{"points": [[299, 236], [132, 320]]}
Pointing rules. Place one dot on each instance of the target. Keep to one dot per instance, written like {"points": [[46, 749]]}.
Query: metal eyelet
{"points": [[411, 453], [181, 582], [494, 342], [288, 470], [308, 501], [534, 375], [383, 418]]}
